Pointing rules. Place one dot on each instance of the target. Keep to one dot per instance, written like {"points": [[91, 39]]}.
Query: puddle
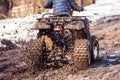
{"points": [[112, 58]]}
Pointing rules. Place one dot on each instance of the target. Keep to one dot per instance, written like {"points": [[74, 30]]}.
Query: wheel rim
{"points": [[96, 50]]}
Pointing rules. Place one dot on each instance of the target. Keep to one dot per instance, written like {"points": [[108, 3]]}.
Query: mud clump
{"points": [[8, 45]]}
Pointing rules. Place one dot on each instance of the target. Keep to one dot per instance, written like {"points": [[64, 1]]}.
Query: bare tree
{"points": [[6, 7], [10, 8]]}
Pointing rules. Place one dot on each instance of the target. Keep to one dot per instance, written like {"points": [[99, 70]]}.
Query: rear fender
{"points": [[41, 24], [76, 25]]}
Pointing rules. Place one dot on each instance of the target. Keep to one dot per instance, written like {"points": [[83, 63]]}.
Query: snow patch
{"points": [[100, 9], [17, 29]]}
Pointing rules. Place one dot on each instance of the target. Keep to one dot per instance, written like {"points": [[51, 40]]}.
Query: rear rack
{"points": [[57, 18]]}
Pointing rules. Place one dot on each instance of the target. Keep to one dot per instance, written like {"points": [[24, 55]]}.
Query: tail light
{"points": [[43, 19], [58, 28]]}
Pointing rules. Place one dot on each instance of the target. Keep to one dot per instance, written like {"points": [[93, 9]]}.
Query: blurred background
{"points": [[21, 8]]}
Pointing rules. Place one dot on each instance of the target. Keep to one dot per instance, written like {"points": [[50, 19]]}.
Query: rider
{"points": [[66, 6]]}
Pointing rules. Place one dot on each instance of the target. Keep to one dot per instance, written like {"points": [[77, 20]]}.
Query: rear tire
{"points": [[37, 52], [34, 54], [81, 54]]}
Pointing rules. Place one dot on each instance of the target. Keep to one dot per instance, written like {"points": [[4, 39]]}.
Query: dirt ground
{"points": [[107, 67]]}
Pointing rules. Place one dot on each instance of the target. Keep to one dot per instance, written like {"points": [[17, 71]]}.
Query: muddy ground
{"points": [[107, 67]]}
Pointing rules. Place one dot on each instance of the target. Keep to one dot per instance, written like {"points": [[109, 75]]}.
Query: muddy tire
{"points": [[81, 54], [37, 52], [34, 53]]}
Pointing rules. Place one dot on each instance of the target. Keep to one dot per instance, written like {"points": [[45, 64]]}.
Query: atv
{"points": [[62, 39]]}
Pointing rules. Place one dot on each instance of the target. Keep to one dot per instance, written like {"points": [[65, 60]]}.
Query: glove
{"points": [[81, 9]]}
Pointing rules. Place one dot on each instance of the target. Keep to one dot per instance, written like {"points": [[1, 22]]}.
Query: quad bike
{"points": [[63, 40]]}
